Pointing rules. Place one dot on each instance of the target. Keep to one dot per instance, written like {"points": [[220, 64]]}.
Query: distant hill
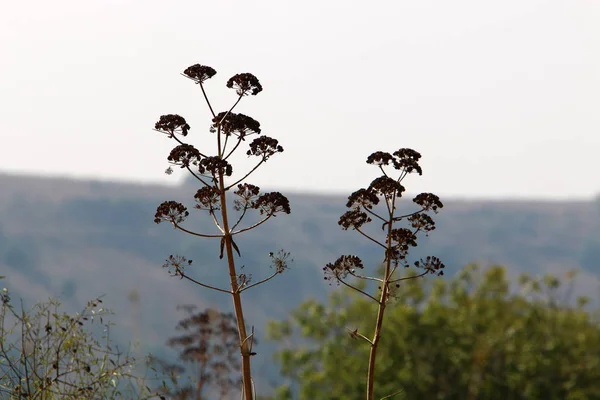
{"points": [[80, 239]]}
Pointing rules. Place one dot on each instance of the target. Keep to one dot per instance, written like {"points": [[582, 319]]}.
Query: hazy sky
{"points": [[501, 98]]}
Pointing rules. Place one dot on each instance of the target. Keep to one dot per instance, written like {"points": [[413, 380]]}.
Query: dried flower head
{"points": [[362, 198], [272, 203], [215, 164], [380, 158], [247, 194], [402, 239], [386, 186], [236, 124], [428, 201], [280, 260], [176, 265], [342, 267], [208, 198], [172, 124], [171, 211], [199, 73], [244, 83], [432, 265], [403, 159], [184, 155], [353, 219], [264, 147], [422, 222], [408, 159]]}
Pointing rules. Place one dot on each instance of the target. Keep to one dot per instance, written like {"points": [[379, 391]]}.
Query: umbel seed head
{"points": [[199, 73]]}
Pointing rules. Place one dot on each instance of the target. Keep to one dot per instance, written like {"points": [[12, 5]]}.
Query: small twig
{"points": [[196, 176], [206, 98], [240, 218], [409, 277], [215, 220], [245, 176], [180, 272], [248, 337], [374, 214], [259, 282], [355, 332], [393, 394], [231, 109], [359, 290], [253, 226], [370, 238], [172, 136], [383, 171], [195, 233], [365, 277], [234, 148]]}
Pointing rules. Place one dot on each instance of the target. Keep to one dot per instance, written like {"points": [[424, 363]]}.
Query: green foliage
{"points": [[48, 354], [469, 338]]}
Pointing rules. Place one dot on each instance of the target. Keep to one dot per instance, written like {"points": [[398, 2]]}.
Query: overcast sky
{"points": [[501, 98]]}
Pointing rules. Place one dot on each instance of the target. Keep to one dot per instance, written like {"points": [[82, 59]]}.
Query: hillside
{"points": [[81, 239]]}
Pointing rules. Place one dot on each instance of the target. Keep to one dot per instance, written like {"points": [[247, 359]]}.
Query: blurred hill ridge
{"points": [[79, 239]]}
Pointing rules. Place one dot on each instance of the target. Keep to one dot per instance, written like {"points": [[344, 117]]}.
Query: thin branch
{"points": [[214, 217], [225, 144], [234, 147], [259, 282], [221, 121], [403, 175], [374, 214], [23, 347], [393, 394], [253, 226], [200, 283], [240, 218], [397, 219], [231, 109], [248, 337], [358, 290], [3, 349], [194, 233], [355, 332], [387, 278], [206, 98], [369, 237], [172, 136], [409, 277], [389, 208], [365, 277], [196, 176], [245, 176], [383, 171]]}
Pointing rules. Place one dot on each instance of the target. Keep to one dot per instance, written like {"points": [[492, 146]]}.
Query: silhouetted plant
{"points": [[385, 192], [212, 171], [208, 350]]}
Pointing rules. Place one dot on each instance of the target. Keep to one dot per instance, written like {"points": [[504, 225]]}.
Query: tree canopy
{"points": [[475, 336]]}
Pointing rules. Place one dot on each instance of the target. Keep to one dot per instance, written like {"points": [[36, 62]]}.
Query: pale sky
{"points": [[501, 98]]}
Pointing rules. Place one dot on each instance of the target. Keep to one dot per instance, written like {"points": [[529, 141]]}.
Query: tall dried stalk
{"points": [[212, 173], [397, 242]]}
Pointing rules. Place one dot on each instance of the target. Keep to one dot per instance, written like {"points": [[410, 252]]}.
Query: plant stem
{"points": [[380, 311], [376, 337], [237, 301]]}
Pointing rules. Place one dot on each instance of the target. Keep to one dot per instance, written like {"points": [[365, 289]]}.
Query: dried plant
{"points": [[378, 202], [46, 353], [215, 175], [208, 350]]}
